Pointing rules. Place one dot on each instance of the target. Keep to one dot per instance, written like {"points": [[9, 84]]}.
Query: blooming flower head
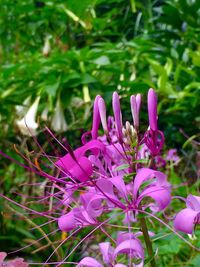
{"points": [[106, 179], [127, 244], [103, 175], [186, 219]]}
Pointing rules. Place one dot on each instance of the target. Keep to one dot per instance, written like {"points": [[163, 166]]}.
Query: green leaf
{"points": [[87, 78], [189, 140], [51, 89], [102, 61], [122, 167]]}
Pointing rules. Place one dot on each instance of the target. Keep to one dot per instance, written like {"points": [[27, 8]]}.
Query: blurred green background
{"points": [[61, 54]]}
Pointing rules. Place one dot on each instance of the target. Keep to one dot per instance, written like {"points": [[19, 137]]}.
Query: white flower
{"points": [[27, 125], [22, 109], [44, 115], [46, 48], [58, 123]]}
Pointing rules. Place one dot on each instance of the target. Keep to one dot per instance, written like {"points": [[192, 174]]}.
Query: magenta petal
{"points": [[118, 182], [82, 170], [19, 262], [172, 155], [86, 197], [145, 174], [94, 146], [2, 256], [96, 118], [193, 202], [130, 247], [117, 114], [94, 207], [89, 262], [184, 220], [67, 222], [161, 196], [123, 236], [152, 109], [107, 252], [67, 162], [83, 218], [120, 265], [107, 188]]}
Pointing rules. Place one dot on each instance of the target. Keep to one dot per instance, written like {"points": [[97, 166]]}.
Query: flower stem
{"points": [[147, 241]]}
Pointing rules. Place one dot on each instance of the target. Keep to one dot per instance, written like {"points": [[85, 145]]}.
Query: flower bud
{"points": [[28, 125], [152, 109], [102, 112], [117, 114]]}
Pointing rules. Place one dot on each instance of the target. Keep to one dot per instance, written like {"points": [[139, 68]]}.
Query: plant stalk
{"points": [[147, 241]]}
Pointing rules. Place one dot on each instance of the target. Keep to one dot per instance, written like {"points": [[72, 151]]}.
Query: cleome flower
{"points": [[127, 244], [112, 176], [112, 192], [186, 219], [106, 174]]}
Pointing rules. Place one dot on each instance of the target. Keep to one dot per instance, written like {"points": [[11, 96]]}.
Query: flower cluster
{"points": [[110, 173], [114, 176]]}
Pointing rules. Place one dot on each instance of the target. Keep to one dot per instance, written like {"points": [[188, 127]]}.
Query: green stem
{"points": [[147, 242]]}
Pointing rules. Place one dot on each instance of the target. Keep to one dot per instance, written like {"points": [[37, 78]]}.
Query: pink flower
{"points": [[76, 164], [106, 174], [127, 244], [186, 219], [112, 192], [172, 156], [18, 262]]}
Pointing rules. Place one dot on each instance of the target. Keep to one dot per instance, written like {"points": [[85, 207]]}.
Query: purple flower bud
{"points": [[117, 114], [138, 101], [152, 109], [67, 222], [135, 108], [96, 118], [102, 112]]}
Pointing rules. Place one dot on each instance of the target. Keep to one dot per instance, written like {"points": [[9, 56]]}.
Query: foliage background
{"points": [[96, 47]]}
